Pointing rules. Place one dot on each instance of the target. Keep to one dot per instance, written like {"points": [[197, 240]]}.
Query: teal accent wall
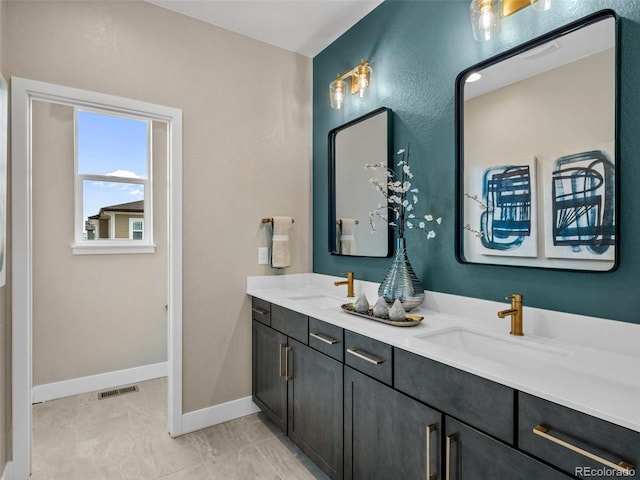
{"points": [[416, 49]]}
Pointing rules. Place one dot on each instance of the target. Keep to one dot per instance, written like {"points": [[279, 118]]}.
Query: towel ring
{"points": [[270, 220], [339, 222]]}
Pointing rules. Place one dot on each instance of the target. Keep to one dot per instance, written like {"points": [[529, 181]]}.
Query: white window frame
{"points": [[132, 220], [113, 245]]}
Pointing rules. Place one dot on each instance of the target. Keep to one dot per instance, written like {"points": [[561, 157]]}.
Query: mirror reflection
{"points": [[537, 152], [352, 196]]}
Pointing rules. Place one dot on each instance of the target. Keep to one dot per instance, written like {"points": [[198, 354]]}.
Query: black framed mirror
{"points": [[537, 152], [352, 146]]}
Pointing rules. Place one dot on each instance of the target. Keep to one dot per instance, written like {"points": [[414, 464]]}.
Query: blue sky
{"points": [[112, 146]]}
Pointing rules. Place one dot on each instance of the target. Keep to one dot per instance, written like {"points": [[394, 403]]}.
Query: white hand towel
{"points": [[281, 251], [347, 236]]}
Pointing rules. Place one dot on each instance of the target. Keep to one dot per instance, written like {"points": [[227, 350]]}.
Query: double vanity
{"points": [[455, 397]]}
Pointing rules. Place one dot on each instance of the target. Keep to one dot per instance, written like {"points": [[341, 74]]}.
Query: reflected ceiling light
{"points": [[485, 19], [360, 80], [474, 77]]}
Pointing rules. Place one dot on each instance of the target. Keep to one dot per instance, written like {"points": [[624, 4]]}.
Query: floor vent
{"points": [[117, 391]]}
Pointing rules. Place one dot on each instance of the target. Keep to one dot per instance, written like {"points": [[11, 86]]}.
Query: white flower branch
{"points": [[478, 233], [401, 198], [483, 206]]}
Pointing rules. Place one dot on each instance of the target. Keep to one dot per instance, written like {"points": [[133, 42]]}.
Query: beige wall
{"points": [[5, 327], [247, 150], [122, 224], [91, 313]]}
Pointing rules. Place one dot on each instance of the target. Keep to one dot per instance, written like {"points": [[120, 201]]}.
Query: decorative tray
{"points": [[410, 321]]}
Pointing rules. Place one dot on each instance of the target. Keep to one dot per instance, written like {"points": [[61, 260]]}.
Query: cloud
{"points": [[123, 173], [137, 192]]}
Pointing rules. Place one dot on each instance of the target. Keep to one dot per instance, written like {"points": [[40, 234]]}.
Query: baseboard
{"points": [[6, 474], [75, 386], [224, 412]]}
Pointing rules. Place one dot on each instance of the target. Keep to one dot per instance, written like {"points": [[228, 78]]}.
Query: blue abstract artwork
{"points": [[582, 204], [507, 219]]}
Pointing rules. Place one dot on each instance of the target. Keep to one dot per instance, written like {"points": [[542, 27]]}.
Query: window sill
{"points": [[110, 248]]}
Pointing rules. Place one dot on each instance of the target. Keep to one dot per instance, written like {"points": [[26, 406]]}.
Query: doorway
{"points": [[24, 95]]}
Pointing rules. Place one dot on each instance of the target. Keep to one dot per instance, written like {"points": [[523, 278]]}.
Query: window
{"points": [[136, 229], [113, 184]]}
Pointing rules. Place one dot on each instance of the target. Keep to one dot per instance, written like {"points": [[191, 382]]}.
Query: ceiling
{"points": [[580, 43], [302, 26]]}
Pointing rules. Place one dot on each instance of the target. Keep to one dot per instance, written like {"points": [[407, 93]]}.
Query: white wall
{"points": [[247, 150]]}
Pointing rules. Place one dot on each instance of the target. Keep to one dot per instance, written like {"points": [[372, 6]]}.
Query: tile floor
{"points": [[124, 437]]}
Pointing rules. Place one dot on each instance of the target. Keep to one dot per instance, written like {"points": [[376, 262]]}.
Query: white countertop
{"points": [[596, 369]]}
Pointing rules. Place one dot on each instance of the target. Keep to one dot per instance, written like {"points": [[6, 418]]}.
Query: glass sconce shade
{"points": [[485, 19], [541, 5], [362, 78], [337, 94]]}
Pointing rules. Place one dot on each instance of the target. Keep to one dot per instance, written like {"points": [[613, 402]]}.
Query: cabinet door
{"points": [[388, 435], [471, 455], [576, 442], [315, 407], [460, 394], [269, 384]]}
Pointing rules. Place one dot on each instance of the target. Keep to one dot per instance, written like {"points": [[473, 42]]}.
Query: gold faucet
{"points": [[515, 312], [348, 282]]}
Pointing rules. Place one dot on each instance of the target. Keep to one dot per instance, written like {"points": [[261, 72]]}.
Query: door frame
{"points": [[23, 93]]}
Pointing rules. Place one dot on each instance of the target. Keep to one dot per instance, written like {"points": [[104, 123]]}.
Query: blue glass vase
{"points": [[401, 282]]}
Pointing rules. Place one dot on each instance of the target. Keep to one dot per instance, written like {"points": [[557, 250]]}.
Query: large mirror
{"points": [[365, 141], [537, 152]]}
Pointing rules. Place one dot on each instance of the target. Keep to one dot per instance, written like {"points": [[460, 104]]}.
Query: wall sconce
{"points": [[485, 14], [360, 80], [485, 19], [509, 7]]}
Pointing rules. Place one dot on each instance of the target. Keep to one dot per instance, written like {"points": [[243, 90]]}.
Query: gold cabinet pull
{"points": [[451, 439], [354, 352], [286, 363], [622, 466], [280, 372], [429, 430], [259, 311], [323, 338]]}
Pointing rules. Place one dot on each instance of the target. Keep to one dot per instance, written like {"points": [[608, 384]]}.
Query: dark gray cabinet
{"points": [[298, 388], [472, 455], [477, 401], [388, 435], [292, 324], [269, 384], [315, 407], [369, 356], [579, 444], [326, 338], [261, 311]]}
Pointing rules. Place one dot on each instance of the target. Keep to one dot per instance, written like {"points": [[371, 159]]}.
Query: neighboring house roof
{"points": [[132, 207]]}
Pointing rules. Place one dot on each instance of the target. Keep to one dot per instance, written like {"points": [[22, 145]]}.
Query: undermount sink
{"points": [[318, 300], [514, 352]]}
